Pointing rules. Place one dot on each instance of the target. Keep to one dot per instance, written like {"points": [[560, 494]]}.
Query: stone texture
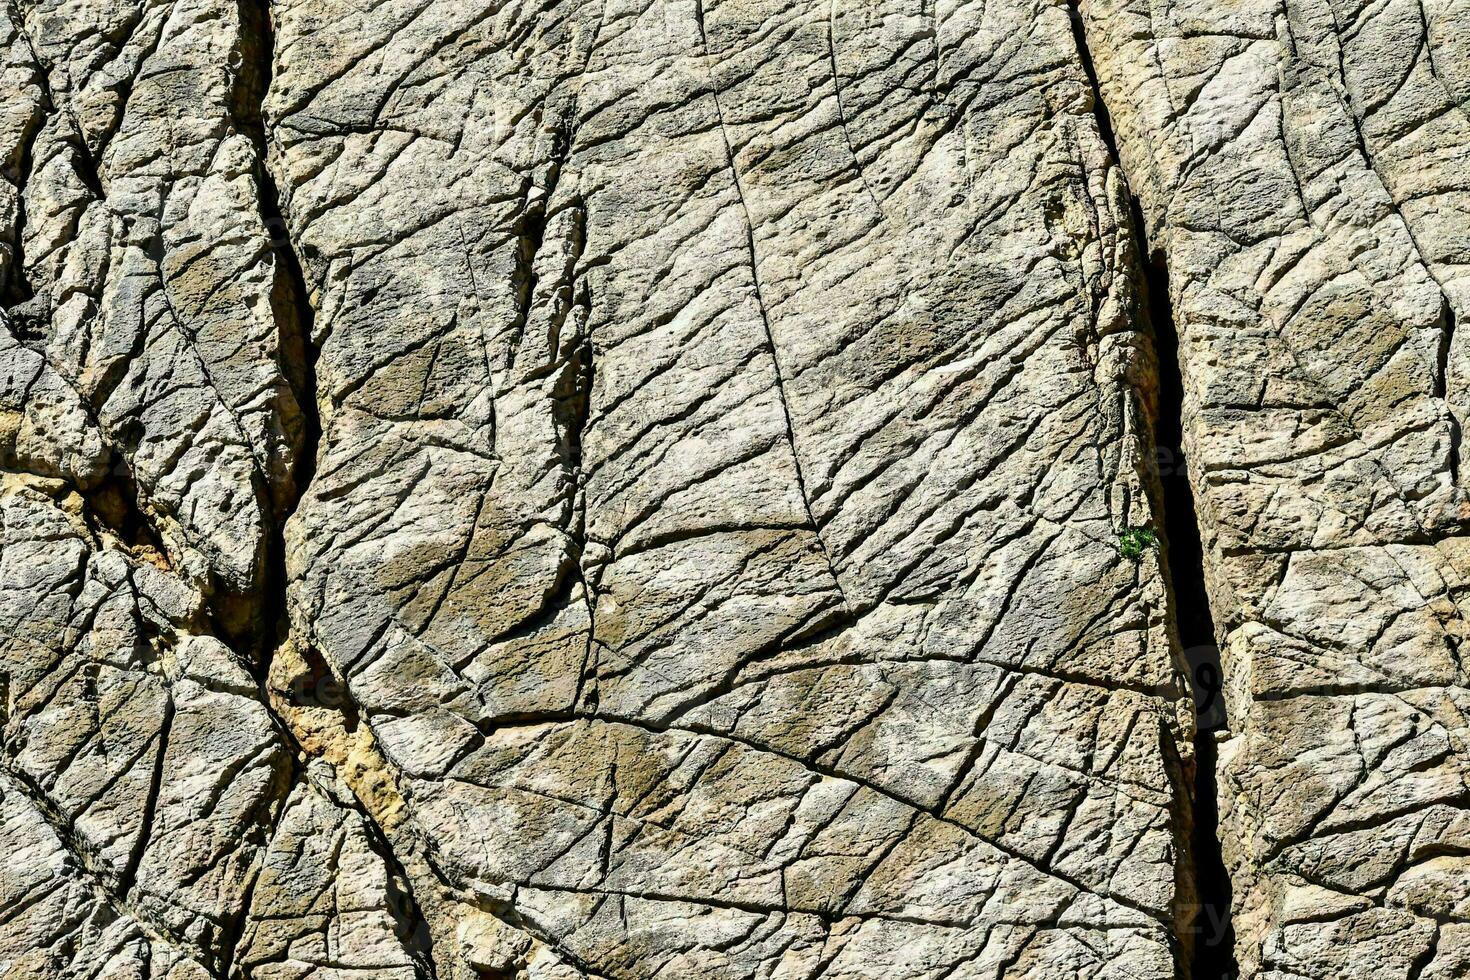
{"points": [[1304, 169], [723, 466], [586, 491]]}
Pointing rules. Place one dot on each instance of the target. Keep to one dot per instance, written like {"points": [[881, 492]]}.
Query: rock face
{"points": [[1305, 170], [492, 490]]}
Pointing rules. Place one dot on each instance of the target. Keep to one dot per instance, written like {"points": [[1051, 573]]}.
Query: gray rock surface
{"points": [[585, 491], [1305, 169]]}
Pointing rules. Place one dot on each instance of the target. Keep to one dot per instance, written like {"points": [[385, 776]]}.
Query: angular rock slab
{"points": [[140, 268], [733, 418], [149, 361], [141, 792]]}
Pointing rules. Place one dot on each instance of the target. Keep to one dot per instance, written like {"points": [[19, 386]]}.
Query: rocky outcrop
{"points": [[149, 434], [579, 491]]}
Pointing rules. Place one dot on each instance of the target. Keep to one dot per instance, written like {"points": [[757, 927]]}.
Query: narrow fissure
{"points": [[1084, 54], [412, 925], [1448, 324], [1442, 386], [1210, 932], [315, 686], [16, 289], [292, 310], [1211, 927], [260, 834]]}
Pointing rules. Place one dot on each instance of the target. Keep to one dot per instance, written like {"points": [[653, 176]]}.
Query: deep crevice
{"points": [[1209, 934], [1099, 107], [293, 313], [1442, 383], [16, 289], [112, 506]]}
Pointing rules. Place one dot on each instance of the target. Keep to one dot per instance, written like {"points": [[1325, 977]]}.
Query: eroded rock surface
{"points": [[148, 430], [582, 490], [1304, 169]]}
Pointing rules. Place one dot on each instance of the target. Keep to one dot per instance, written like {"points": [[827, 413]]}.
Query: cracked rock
{"points": [[580, 491], [1302, 170]]}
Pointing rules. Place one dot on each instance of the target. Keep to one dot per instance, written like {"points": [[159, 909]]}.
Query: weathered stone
{"points": [[1303, 168], [595, 492], [729, 426]]}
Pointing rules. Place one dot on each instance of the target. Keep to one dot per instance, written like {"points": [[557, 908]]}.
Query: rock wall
{"points": [[500, 490], [1305, 172]]}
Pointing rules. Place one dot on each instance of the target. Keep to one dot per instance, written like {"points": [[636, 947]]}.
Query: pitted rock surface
{"points": [[596, 491]]}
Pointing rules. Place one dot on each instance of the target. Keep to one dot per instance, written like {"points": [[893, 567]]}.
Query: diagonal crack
{"points": [[290, 306], [760, 300]]}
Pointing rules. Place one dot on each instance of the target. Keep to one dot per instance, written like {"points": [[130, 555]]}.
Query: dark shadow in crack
{"points": [[291, 307], [1210, 931], [1211, 928]]}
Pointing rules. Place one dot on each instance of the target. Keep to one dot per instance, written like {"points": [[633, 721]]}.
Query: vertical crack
{"points": [[572, 411], [1357, 116], [408, 915], [15, 286], [1209, 935], [857, 164], [1442, 384], [295, 318], [293, 312], [1211, 928], [291, 308], [760, 301], [1084, 54]]}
